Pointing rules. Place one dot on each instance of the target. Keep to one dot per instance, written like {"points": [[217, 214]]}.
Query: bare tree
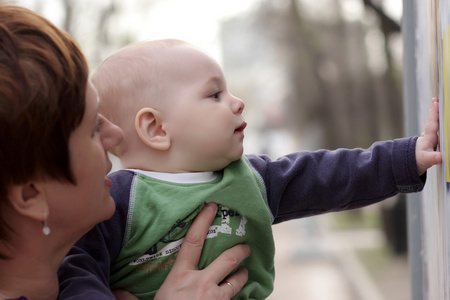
{"points": [[330, 86]]}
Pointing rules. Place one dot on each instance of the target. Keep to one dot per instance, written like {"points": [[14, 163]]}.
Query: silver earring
{"points": [[45, 229]]}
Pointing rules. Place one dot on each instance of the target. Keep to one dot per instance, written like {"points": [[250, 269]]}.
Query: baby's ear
{"points": [[148, 123]]}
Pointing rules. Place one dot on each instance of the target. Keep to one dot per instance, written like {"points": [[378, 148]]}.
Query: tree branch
{"points": [[388, 25]]}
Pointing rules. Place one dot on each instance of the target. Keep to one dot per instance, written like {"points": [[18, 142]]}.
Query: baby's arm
{"points": [[426, 154]]}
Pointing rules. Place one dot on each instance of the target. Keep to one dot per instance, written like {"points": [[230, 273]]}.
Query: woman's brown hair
{"points": [[43, 78]]}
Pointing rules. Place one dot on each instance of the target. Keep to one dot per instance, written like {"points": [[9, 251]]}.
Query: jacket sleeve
{"points": [[84, 272], [307, 183]]}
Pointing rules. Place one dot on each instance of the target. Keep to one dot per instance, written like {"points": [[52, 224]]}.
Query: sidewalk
{"points": [[314, 263]]}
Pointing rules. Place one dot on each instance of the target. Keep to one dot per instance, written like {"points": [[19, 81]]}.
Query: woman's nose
{"points": [[112, 135]]}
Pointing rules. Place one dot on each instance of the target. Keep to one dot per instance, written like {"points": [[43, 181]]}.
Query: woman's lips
{"points": [[108, 181]]}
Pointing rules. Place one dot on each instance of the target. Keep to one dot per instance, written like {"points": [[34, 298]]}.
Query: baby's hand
{"points": [[426, 154]]}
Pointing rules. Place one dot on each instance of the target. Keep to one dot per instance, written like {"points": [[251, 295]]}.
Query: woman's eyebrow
{"points": [[97, 112]]}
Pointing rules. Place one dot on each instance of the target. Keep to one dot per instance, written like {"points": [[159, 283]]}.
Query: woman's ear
{"points": [[148, 123], [29, 200]]}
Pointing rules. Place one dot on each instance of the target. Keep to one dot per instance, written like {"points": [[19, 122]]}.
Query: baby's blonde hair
{"points": [[131, 79]]}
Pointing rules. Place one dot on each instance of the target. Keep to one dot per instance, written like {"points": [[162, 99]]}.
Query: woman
{"points": [[53, 183]]}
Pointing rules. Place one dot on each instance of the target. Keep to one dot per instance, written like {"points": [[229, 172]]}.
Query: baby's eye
{"points": [[215, 95]]}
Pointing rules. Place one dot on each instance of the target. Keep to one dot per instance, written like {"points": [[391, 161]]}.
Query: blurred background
{"points": [[313, 74]]}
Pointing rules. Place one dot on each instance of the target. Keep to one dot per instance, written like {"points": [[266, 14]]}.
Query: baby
{"points": [[183, 147]]}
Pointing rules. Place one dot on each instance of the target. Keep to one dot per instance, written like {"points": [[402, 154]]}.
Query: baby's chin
{"points": [[227, 163], [213, 167]]}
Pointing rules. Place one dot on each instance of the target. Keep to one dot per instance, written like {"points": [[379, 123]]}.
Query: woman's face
{"points": [[88, 202]]}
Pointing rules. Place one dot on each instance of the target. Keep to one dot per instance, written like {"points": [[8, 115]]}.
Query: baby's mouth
{"points": [[241, 128]]}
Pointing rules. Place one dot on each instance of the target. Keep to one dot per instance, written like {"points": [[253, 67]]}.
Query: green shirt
{"points": [[161, 212]]}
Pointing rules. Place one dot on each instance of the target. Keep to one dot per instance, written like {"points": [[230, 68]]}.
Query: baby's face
{"points": [[204, 118]]}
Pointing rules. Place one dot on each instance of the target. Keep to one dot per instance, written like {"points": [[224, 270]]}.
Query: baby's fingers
{"points": [[432, 125]]}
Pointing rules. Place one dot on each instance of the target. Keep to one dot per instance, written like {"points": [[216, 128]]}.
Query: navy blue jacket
{"points": [[298, 185]]}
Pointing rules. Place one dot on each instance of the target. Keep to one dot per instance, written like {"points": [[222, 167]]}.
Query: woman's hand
{"points": [[124, 295], [185, 281]]}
